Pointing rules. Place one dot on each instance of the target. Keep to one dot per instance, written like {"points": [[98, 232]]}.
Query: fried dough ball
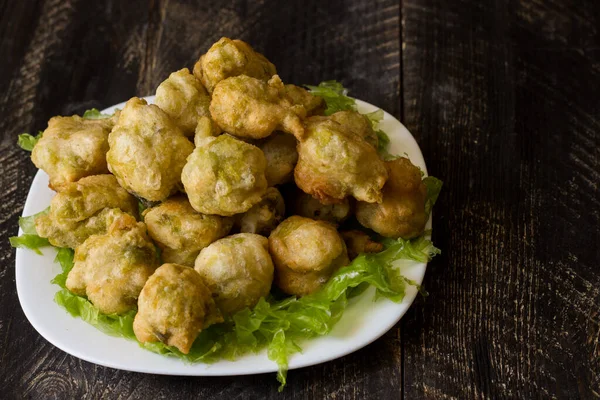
{"points": [[307, 206], [282, 156], [224, 176], [358, 242], [238, 270], [184, 99], [402, 212], [206, 128], [251, 108], [147, 151], [174, 306], [314, 105], [305, 253], [111, 269], [72, 148], [264, 216], [83, 208], [181, 232], [357, 123], [334, 162], [227, 58]]}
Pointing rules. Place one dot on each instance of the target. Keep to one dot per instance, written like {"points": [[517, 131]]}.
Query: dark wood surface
{"points": [[504, 100]]}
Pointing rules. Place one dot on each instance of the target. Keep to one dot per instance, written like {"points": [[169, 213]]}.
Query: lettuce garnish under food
{"points": [[277, 324], [27, 141]]}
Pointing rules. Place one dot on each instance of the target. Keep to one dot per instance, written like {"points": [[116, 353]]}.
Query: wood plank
{"points": [[502, 97]]}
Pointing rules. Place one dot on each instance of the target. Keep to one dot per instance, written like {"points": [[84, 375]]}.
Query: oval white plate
{"points": [[363, 321]]}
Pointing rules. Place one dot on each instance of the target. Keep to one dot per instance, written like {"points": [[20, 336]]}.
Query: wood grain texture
{"points": [[501, 96]]}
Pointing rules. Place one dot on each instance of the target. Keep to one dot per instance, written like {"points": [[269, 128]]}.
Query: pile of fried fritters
{"points": [[246, 182]]}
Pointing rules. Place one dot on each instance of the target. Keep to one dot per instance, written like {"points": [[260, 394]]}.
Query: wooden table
{"points": [[504, 100]]}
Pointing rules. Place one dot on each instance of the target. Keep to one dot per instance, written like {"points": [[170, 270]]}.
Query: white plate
{"points": [[363, 321]]}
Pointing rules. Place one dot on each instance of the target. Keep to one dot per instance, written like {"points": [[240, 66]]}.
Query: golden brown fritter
{"points": [[227, 58], [358, 242], [238, 270], [314, 105], [282, 156], [112, 268], [264, 216], [83, 208], [357, 123], [251, 108], [334, 162], [402, 212], [147, 151], [307, 206], [206, 128], [174, 306], [181, 232], [305, 253], [72, 148], [224, 176], [184, 99]]}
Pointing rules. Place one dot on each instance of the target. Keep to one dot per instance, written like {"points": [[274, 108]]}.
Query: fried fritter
{"points": [[83, 208], [224, 176], [72, 148], [314, 105], [307, 206], [111, 269], [206, 128], [147, 151], [238, 270], [334, 162], [305, 253], [184, 99], [402, 212], [357, 123], [358, 242], [181, 232], [174, 306], [251, 108], [282, 156], [264, 216], [227, 58]]}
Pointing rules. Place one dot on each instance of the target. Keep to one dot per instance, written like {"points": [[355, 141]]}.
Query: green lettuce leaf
{"points": [[27, 224], [94, 113], [29, 241], [334, 95], [64, 257], [434, 186], [275, 325], [27, 141]]}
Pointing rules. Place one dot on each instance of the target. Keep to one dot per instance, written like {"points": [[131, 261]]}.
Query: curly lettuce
{"points": [[30, 239], [27, 141]]}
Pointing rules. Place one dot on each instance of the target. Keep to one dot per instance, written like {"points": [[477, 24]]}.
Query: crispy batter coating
{"points": [[184, 99], [357, 123], [358, 242], [206, 128], [282, 156], [402, 212], [307, 206], [147, 151], [224, 176], [111, 269], [181, 232], [174, 306], [248, 107], [305, 253], [227, 58], [83, 208], [72, 148], [264, 216], [238, 270], [314, 105], [334, 162]]}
